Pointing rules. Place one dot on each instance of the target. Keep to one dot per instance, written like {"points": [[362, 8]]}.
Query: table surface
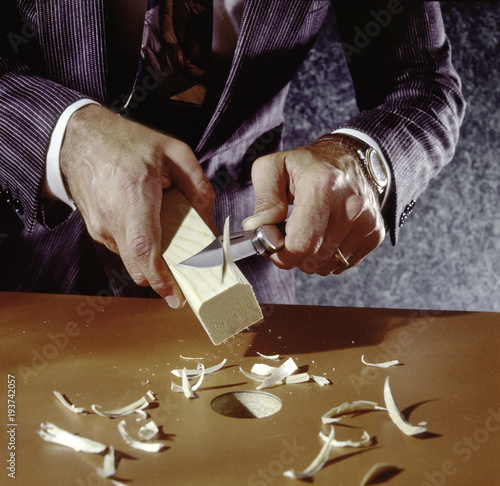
{"points": [[103, 350]]}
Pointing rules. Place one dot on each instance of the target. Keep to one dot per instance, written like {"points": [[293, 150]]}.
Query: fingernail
{"points": [[172, 301]]}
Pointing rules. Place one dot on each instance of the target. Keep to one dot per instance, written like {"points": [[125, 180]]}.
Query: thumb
{"points": [[269, 180]]}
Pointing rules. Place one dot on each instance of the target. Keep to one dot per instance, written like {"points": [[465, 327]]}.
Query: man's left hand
{"points": [[335, 207]]}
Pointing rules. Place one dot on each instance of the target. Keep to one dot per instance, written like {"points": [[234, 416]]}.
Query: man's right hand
{"points": [[116, 171]]}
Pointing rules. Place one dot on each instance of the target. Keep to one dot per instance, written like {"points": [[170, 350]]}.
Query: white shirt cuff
{"points": [[53, 186], [369, 140]]}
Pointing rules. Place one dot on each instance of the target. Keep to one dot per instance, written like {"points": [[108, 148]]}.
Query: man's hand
{"points": [[335, 208], [116, 171]]}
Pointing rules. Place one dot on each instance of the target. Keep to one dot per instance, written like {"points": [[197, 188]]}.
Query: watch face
{"points": [[377, 169]]}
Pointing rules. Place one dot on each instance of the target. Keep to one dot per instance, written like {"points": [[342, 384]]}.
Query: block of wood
{"points": [[221, 297]]}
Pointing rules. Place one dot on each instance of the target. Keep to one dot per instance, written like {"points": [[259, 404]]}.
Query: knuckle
{"points": [[172, 149], [328, 179], [183, 149], [159, 285], [355, 205], [261, 163], [132, 184], [98, 233], [305, 246], [139, 279], [205, 196], [267, 201], [141, 246]]}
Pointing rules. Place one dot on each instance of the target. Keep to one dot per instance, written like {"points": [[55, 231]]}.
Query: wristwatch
{"points": [[372, 163]]}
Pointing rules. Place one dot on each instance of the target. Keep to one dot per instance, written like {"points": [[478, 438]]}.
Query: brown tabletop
{"points": [[111, 351]]}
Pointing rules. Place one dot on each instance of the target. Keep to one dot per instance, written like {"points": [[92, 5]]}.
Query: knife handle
{"points": [[270, 238]]}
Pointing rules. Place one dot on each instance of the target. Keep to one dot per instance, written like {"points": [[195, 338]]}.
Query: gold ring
{"points": [[341, 258]]}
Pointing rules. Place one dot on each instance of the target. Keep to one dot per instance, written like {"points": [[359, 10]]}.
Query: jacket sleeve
{"points": [[30, 105], [407, 90]]}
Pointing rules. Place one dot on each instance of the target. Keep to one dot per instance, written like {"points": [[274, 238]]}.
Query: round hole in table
{"points": [[246, 404]]}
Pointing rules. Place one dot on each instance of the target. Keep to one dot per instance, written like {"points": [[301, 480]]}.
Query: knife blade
{"points": [[265, 241]]}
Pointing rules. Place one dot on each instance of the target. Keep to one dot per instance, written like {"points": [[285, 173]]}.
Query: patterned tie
{"points": [[176, 47]]}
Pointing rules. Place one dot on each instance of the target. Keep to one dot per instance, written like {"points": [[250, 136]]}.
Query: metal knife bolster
{"points": [[269, 239]]}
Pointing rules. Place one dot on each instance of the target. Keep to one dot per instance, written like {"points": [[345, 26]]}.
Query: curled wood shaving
{"points": [[108, 468], [377, 470], [365, 440], [200, 379], [263, 369], [357, 406], [252, 376], [272, 356], [386, 364], [149, 431], [70, 406], [289, 380], [317, 463], [142, 415], [286, 369], [396, 415], [186, 387], [198, 371], [52, 433], [136, 444], [134, 407]]}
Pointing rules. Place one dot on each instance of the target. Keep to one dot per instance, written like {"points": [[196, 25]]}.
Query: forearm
{"points": [[29, 110], [408, 93], [30, 106]]}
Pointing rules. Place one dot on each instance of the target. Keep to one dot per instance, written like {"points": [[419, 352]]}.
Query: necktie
{"points": [[176, 47]]}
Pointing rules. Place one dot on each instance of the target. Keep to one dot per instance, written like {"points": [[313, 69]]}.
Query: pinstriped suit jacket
{"points": [[54, 53]]}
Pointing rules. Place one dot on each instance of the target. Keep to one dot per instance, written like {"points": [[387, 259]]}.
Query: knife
{"points": [[265, 241]]}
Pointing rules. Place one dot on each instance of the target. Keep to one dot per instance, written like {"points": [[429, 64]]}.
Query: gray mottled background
{"points": [[448, 254]]}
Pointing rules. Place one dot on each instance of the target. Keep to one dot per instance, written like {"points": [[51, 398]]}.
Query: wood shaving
{"points": [[272, 356], [321, 380], [136, 444], [70, 406], [396, 415], [286, 369], [52, 433], [149, 431], [263, 369], [386, 364], [298, 378], [108, 468], [317, 463], [198, 371], [365, 440], [186, 387], [357, 406], [134, 407]]}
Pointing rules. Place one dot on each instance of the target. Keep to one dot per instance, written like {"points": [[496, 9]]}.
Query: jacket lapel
{"points": [[265, 58], [268, 33]]}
